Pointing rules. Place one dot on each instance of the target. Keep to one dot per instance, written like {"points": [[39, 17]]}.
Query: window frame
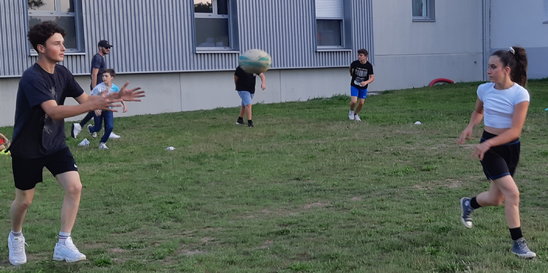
{"points": [[345, 28], [78, 24], [231, 26], [430, 11]]}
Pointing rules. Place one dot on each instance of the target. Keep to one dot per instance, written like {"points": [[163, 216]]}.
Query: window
{"points": [[65, 13], [213, 27], [423, 11], [332, 28]]}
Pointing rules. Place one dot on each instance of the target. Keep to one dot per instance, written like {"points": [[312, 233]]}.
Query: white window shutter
{"points": [[329, 9]]}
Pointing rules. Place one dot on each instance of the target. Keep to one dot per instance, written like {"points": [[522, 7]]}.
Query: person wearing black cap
{"points": [[98, 66]]}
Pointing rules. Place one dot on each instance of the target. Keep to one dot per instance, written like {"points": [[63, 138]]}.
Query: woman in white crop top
{"points": [[502, 105]]}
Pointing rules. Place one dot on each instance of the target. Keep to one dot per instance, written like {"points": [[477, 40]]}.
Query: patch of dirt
{"points": [[316, 205]]}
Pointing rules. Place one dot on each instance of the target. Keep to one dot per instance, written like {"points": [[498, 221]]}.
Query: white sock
{"points": [[63, 236]]}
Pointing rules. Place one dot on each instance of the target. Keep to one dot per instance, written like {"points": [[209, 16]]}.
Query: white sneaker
{"points": [[16, 247], [113, 135], [357, 118], [103, 146], [67, 252], [94, 134], [76, 129], [350, 115]]}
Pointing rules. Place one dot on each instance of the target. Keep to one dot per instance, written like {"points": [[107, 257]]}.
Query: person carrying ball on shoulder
{"points": [[245, 86]]}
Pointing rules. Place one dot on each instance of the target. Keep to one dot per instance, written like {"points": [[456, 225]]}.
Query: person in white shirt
{"points": [[104, 88], [502, 104]]}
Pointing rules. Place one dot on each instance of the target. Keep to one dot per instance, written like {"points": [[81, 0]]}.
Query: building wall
{"points": [[526, 25], [411, 54], [157, 36], [174, 92]]}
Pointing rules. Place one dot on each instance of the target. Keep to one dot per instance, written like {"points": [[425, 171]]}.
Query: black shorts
{"points": [[28, 172], [502, 160]]}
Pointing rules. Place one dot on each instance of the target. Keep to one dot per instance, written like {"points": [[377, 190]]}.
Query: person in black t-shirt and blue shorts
{"points": [[39, 138], [245, 86], [362, 74]]}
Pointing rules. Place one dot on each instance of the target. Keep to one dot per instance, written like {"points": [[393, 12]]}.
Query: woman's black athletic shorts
{"points": [[502, 160]]}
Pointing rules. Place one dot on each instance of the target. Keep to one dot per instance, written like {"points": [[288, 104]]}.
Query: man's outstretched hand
{"points": [[127, 94]]}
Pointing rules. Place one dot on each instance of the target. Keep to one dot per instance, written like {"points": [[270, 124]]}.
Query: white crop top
{"points": [[498, 105]]}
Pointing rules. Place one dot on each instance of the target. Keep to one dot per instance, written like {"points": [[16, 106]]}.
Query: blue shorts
{"points": [[246, 96], [358, 92]]}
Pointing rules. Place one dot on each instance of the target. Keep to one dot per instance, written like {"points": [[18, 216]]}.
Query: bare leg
{"points": [[352, 103], [360, 105], [242, 111], [249, 112], [70, 181], [19, 207], [503, 190]]}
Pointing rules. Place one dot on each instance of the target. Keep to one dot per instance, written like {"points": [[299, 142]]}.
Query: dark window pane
{"points": [[203, 6], [48, 5], [418, 8], [212, 32], [329, 33], [67, 23], [222, 6]]}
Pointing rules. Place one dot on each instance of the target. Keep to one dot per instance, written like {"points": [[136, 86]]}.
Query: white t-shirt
{"points": [[498, 105], [102, 87]]}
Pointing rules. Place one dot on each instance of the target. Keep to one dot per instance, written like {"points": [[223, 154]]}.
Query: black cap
{"points": [[104, 43]]}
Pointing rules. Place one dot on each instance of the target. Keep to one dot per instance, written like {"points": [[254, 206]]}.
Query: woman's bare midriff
{"points": [[495, 131]]}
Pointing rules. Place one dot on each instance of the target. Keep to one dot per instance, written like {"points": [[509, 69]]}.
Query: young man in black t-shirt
{"points": [[245, 85], [362, 74], [39, 138]]}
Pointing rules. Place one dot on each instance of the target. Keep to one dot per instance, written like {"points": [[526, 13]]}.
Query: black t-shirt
{"points": [[360, 72], [98, 61], [35, 134], [246, 81]]}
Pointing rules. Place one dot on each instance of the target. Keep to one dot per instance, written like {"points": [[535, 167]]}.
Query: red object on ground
{"points": [[440, 81]]}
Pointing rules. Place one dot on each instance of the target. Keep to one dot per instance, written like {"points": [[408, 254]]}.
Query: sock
{"points": [[515, 233], [16, 234], [474, 203], [240, 120], [63, 236], [249, 122]]}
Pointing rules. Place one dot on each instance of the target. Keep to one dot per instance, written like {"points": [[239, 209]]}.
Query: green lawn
{"points": [[306, 190]]}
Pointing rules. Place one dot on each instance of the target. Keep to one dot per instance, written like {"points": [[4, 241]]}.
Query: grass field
{"points": [[306, 190]]}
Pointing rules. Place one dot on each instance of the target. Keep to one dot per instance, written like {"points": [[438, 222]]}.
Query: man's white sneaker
{"points": [[350, 115], [357, 118], [76, 129], [16, 247], [113, 136], [67, 252], [103, 146]]}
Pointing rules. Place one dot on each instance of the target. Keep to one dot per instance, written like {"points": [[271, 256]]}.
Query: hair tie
{"points": [[512, 50]]}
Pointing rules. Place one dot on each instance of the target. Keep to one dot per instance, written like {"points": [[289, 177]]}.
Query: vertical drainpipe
{"points": [[486, 34]]}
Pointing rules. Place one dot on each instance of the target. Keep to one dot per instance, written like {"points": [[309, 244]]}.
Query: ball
{"points": [[255, 61]]}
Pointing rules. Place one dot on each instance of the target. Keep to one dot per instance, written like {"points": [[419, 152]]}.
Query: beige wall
{"points": [[204, 90], [411, 54]]}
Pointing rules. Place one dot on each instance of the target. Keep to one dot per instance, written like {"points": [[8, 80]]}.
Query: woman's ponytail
{"points": [[516, 59], [519, 69]]}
